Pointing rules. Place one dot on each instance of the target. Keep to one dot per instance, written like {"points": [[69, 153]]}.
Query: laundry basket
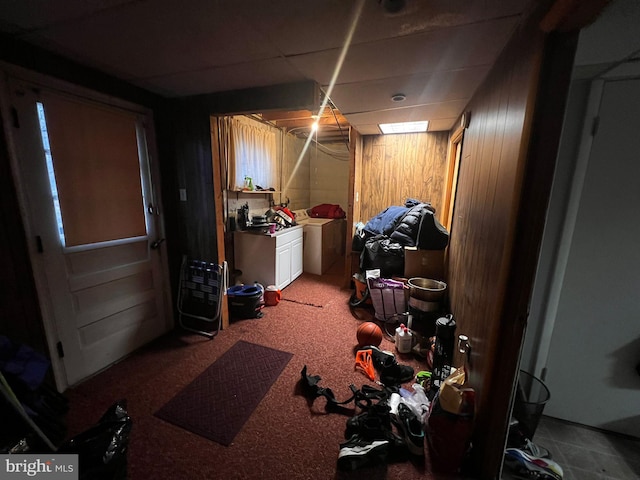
{"points": [[202, 285]]}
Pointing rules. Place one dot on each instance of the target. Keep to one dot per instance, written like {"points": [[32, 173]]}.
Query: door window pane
{"points": [[94, 152]]}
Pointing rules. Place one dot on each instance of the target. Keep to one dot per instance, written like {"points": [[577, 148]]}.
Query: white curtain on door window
{"points": [[253, 153]]}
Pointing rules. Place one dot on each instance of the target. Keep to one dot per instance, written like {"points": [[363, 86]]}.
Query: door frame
{"points": [[8, 71]]}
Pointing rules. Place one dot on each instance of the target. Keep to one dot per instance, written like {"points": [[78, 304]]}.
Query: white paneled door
{"points": [[595, 346], [93, 224]]}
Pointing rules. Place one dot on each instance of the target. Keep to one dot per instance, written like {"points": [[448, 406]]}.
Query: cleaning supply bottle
{"points": [[404, 339]]}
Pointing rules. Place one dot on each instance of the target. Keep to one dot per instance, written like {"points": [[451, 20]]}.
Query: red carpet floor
{"points": [[284, 438]]}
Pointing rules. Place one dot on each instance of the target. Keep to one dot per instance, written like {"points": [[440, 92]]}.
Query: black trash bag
{"points": [[385, 254], [102, 449]]}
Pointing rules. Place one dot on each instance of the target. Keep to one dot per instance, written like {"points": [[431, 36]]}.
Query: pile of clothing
{"points": [[382, 239]]}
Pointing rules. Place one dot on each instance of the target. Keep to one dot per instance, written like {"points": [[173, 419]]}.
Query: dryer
{"points": [[322, 241]]}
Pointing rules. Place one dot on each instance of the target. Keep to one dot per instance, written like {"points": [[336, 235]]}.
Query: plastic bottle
{"points": [[404, 339]]}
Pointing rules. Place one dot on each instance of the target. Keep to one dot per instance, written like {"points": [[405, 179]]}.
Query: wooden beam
{"points": [[218, 195]]}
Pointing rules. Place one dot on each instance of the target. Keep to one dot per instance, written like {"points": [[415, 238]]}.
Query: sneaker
{"points": [[381, 358], [411, 428], [529, 467], [359, 452], [535, 450], [396, 375], [375, 423]]}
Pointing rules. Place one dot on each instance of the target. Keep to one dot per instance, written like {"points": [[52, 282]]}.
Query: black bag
{"points": [[432, 235], [380, 252], [102, 449]]}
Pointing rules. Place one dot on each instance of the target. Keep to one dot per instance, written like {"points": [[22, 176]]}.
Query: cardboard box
{"points": [[423, 263]]}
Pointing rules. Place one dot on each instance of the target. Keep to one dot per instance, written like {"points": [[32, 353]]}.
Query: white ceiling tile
{"points": [[145, 41], [418, 89], [436, 52], [33, 14], [247, 75], [444, 49], [300, 27], [408, 114], [441, 124]]}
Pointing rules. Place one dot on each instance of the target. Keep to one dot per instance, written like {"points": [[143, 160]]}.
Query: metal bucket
{"points": [[426, 289]]}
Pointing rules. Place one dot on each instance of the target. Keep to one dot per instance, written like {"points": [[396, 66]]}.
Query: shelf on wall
{"points": [[253, 192]]}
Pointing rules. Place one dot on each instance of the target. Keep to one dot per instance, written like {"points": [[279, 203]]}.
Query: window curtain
{"points": [[252, 149]]}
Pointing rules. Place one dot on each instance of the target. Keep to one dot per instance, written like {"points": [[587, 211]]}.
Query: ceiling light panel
{"points": [[404, 127]]}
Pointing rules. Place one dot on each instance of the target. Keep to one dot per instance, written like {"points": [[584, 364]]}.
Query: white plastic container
{"points": [[404, 339]]}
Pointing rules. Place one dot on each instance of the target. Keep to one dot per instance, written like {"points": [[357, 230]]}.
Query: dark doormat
{"points": [[220, 400]]}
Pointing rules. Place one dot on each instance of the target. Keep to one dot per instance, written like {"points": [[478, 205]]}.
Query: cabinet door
{"points": [[283, 265], [297, 256]]}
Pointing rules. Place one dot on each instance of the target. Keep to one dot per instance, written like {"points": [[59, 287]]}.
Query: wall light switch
{"points": [[183, 194]]}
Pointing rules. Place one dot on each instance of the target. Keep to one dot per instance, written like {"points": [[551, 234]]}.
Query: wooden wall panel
{"points": [[397, 167], [498, 220], [485, 210], [185, 150]]}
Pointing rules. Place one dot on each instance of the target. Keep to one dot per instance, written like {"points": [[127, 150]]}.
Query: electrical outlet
{"points": [[183, 194]]}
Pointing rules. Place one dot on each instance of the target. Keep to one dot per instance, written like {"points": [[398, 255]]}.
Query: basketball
{"points": [[369, 333]]}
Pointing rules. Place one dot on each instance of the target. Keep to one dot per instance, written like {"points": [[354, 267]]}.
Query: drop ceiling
{"points": [[435, 52]]}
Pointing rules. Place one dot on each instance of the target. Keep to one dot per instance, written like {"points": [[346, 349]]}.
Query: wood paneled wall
{"points": [[498, 221], [486, 205], [401, 166]]}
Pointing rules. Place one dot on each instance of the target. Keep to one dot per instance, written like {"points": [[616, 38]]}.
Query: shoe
{"points": [[411, 428], [530, 467], [359, 452], [535, 450], [373, 424], [381, 358], [517, 439], [396, 375]]}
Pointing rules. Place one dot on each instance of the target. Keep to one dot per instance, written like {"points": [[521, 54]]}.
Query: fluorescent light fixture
{"points": [[404, 127]]}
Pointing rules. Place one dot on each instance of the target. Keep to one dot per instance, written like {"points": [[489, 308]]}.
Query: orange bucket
{"points": [[361, 289]]}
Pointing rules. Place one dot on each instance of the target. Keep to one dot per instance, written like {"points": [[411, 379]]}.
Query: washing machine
{"points": [[322, 241]]}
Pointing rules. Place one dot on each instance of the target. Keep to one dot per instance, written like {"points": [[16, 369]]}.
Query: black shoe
{"points": [[358, 452], [396, 375], [411, 428], [381, 358], [374, 424]]}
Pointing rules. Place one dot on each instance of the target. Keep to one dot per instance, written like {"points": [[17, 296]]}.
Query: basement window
{"points": [[253, 154]]}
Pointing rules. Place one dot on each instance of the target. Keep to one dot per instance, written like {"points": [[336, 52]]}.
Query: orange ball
{"points": [[369, 333]]}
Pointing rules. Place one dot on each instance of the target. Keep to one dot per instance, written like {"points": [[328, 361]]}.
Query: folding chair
{"points": [[200, 292]]}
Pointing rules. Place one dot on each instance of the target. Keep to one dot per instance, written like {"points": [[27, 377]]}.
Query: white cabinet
{"points": [[297, 257], [274, 259]]}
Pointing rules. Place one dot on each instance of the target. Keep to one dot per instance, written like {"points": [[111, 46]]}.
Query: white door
{"points": [[93, 226], [595, 346]]}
